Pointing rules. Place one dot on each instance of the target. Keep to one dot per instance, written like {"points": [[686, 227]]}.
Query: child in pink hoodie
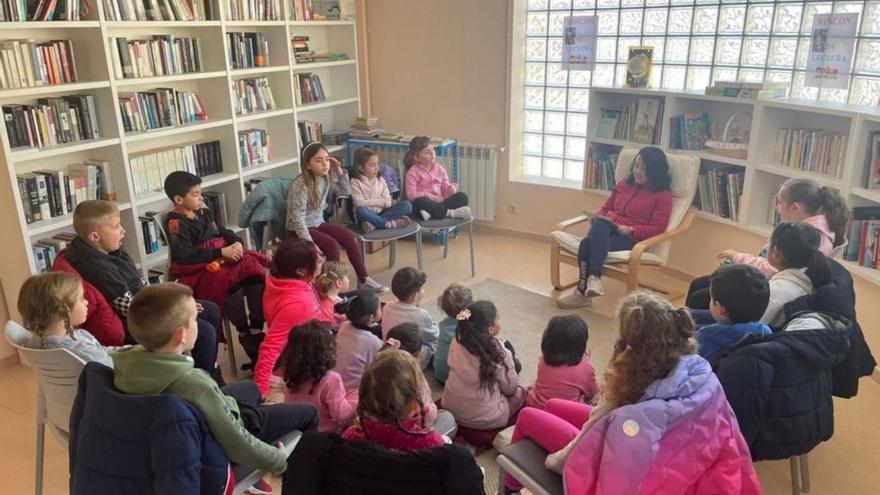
{"points": [[564, 370], [428, 186], [373, 207]]}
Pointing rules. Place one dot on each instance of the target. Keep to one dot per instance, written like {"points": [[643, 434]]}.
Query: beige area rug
{"points": [[524, 315]]}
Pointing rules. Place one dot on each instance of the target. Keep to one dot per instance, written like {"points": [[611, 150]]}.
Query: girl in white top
{"points": [[373, 207]]}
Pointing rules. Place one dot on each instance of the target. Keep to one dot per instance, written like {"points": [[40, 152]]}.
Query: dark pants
{"points": [[331, 239], [698, 296], [204, 351], [594, 249], [393, 212], [271, 422], [438, 210], [250, 290]]}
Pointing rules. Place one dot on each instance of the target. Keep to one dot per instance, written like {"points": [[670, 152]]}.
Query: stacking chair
{"points": [[524, 461]]}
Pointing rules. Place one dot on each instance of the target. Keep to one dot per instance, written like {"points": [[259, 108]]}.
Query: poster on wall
{"points": [[831, 50], [579, 42]]}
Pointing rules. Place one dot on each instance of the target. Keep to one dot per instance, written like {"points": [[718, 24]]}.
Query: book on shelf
{"points": [[309, 131], [254, 10], [252, 95], [871, 176], [254, 147], [308, 88], [46, 250], [600, 169], [638, 66], [160, 10], [748, 90], [811, 150], [864, 237], [322, 10], [689, 131], [160, 108], [28, 63], [719, 191], [47, 194], [389, 136], [366, 127], [153, 239], [305, 55], [773, 217], [155, 276], [43, 10], [638, 121], [647, 121], [216, 203], [149, 168], [248, 50], [162, 55], [51, 121]]}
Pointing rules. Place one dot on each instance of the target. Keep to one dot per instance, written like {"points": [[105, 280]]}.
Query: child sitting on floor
{"points": [[373, 208], [391, 410], [52, 305], [408, 285], [564, 370], [455, 298], [483, 391], [306, 375], [332, 281], [357, 342]]}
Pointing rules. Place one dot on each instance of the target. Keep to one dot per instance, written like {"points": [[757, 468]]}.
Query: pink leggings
{"points": [[330, 237], [552, 428]]}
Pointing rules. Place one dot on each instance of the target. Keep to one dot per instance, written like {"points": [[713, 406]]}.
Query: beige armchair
{"points": [[625, 265]]}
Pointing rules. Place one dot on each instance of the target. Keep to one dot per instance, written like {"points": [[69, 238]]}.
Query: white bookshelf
{"points": [[762, 175], [92, 40]]}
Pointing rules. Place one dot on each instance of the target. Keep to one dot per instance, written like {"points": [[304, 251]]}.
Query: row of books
{"points": [[719, 191], [309, 131], [153, 238], [43, 10], [638, 122], [871, 176], [216, 203], [254, 10], [28, 63], [252, 95], [749, 90], [159, 10], [864, 237], [248, 50], [773, 217], [149, 169], [159, 108], [47, 194], [162, 55], [811, 150], [46, 250], [254, 147], [600, 169], [321, 10], [689, 131], [309, 88], [51, 121]]}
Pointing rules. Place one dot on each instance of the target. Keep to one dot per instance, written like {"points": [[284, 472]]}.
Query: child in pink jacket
{"points": [[428, 186], [373, 207], [564, 370]]}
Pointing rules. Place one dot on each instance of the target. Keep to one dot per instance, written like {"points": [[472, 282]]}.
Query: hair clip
{"points": [[463, 315], [393, 343]]}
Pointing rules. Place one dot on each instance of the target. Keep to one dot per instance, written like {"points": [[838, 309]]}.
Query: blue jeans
{"points": [[594, 249], [397, 210]]}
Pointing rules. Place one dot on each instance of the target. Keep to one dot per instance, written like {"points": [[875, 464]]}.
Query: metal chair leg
{"points": [[230, 350], [500, 481], [795, 477], [471, 238], [419, 249], [41, 443], [364, 250], [392, 254], [805, 473], [446, 244]]}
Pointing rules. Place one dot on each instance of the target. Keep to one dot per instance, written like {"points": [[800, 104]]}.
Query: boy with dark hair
{"points": [[97, 255], [408, 285], [739, 296], [212, 260], [162, 319]]}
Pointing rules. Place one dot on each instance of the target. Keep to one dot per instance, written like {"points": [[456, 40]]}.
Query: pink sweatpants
{"points": [[552, 428]]}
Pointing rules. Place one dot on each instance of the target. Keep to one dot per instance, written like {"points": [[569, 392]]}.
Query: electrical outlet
{"points": [[511, 208]]}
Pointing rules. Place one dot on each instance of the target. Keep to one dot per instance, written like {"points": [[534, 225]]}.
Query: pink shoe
{"points": [[397, 223], [367, 227]]}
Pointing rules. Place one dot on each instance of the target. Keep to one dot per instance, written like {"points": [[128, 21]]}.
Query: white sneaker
{"points": [[574, 300], [594, 286], [425, 215], [463, 212], [374, 284]]}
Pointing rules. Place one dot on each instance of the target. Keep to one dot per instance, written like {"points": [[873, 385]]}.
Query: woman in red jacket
{"points": [[638, 208], [290, 299]]}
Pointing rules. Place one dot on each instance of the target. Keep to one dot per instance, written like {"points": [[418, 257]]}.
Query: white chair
{"points": [[653, 251], [57, 376]]}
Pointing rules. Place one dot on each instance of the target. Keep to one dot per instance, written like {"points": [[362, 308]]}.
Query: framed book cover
{"points": [[638, 66]]}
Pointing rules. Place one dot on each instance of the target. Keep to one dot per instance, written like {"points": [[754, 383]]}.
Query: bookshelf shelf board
{"points": [[320, 23], [163, 24], [326, 104], [61, 149], [51, 89], [614, 142], [633, 91], [254, 23], [714, 218], [871, 117], [318, 65], [6, 26], [214, 179], [869, 274], [192, 76], [825, 180], [170, 131], [54, 223], [705, 155], [263, 167], [266, 114], [869, 194], [259, 70], [150, 197]]}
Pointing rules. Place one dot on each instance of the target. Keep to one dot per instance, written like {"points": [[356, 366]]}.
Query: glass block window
{"points": [[695, 43]]}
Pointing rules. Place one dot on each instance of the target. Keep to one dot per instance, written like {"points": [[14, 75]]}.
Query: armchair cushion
{"points": [[569, 242]]}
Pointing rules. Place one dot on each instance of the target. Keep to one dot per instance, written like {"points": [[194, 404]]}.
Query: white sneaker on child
{"points": [[374, 284], [425, 215], [463, 212], [397, 223], [367, 227]]}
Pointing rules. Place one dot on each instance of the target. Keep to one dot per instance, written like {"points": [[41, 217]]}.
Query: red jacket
{"points": [[101, 320], [646, 211], [286, 304]]}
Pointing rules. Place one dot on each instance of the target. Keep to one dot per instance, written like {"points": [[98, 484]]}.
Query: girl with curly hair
{"points": [[306, 375], [663, 424]]}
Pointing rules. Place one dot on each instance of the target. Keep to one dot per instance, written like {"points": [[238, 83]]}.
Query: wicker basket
{"points": [[726, 147]]}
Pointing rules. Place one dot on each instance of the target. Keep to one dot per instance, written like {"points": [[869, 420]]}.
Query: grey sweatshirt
{"points": [[300, 213]]}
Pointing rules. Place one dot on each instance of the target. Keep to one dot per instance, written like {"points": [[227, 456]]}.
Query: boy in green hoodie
{"points": [[162, 319]]}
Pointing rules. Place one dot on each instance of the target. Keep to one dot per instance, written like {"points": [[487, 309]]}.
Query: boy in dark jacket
{"points": [[739, 296], [212, 260]]}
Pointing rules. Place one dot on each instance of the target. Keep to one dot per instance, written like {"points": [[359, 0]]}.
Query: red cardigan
{"points": [[646, 211]]}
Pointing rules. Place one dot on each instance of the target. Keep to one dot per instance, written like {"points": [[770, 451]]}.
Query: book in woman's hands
{"points": [[595, 216]]}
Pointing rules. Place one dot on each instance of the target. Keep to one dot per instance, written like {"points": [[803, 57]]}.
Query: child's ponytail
{"points": [[818, 199], [417, 144], [473, 334]]}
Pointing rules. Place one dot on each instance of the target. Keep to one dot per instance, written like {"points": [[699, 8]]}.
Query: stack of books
{"points": [[638, 122], [600, 169], [252, 95], [389, 136], [811, 150], [44, 10], [871, 175], [689, 131], [719, 191], [366, 127], [309, 131], [149, 168], [864, 237], [159, 108], [27, 63], [750, 90], [216, 203], [162, 55], [254, 147], [335, 137], [254, 10], [153, 238], [309, 88], [330, 56], [301, 50], [47, 194], [46, 250], [248, 50], [159, 10], [51, 121]]}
